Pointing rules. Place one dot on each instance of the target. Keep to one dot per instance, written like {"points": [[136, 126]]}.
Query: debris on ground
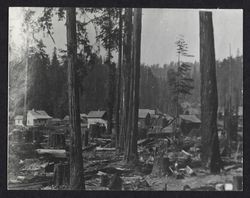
{"points": [[104, 168]]}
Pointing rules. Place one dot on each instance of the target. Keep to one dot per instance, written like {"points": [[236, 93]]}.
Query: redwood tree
{"points": [[125, 76], [118, 87], [76, 161], [132, 130], [209, 99]]}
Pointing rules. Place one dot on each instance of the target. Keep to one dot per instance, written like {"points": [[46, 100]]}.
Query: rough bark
{"points": [[61, 174], [25, 110], [126, 70], [227, 125], [131, 154], [209, 99], [111, 82], [118, 97], [76, 161]]}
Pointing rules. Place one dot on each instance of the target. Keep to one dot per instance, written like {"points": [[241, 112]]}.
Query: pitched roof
{"points": [[142, 113], [66, 117], [190, 118], [19, 117], [83, 115], [96, 114], [39, 114]]}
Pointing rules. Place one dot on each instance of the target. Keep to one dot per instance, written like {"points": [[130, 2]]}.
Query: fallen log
{"points": [[57, 153], [104, 149], [227, 168]]}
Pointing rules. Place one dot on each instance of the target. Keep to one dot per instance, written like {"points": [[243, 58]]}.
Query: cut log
{"points": [[104, 149], [57, 153]]}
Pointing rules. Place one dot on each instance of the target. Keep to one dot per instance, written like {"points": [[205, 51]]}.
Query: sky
{"points": [[160, 30]]}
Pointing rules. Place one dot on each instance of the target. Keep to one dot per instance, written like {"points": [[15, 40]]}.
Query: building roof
{"points": [[192, 111], [19, 117], [142, 113], [66, 117], [39, 114], [190, 118], [83, 115], [96, 114]]}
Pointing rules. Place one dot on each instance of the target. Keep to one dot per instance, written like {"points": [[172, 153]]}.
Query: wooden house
{"points": [[97, 117], [37, 118]]}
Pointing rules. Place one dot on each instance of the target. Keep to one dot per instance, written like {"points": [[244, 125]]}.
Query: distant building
{"points": [[37, 118], [144, 116], [84, 118], [97, 117], [54, 121], [19, 120], [189, 122]]}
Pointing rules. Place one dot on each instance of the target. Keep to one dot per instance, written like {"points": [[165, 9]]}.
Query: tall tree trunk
{"points": [[111, 82], [132, 132], [76, 161], [209, 99], [126, 70], [118, 97], [25, 109], [227, 124]]}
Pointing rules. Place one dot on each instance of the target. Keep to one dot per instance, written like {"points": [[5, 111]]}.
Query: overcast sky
{"points": [[160, 29]]}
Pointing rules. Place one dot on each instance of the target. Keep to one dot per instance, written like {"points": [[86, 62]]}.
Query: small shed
{"points": [[189, 122], [19, 120], [97, 117]]}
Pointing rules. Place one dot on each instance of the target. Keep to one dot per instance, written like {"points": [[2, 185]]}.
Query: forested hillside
{"points": [[49, 91]]}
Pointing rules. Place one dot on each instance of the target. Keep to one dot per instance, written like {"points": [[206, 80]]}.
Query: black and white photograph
{"points": [[125, 99]]}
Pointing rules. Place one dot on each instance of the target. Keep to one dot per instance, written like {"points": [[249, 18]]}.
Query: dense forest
{"points": [[48, 89]]}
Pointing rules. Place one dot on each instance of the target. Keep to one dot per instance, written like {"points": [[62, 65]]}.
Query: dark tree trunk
{"points": [[111, 83], [209, 99], [25, 109], [61, 174], [227, 125], [126, 70], [132, 131], [118, 97], [76, 161]]}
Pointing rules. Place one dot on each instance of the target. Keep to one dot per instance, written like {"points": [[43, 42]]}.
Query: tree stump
{"points": [[116, 182], [56, 140], [86, 138], [237, 183], [161, 164], [104, 180], [61, 174]]}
